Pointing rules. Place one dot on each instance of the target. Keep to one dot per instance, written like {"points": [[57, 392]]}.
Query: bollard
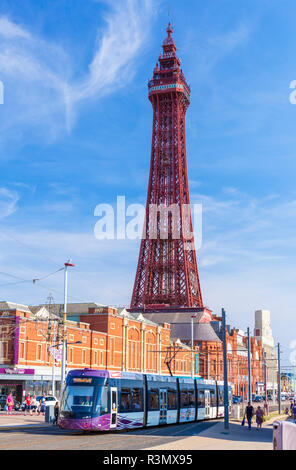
{"points": [[49, 414], [284, 435]]}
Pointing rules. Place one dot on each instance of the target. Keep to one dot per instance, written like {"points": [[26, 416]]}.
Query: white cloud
{"points": [[37, 74], [8, 202], [10, 30]]}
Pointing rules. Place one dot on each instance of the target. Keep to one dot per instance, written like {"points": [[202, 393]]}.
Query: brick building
{"points": [[97, 337], [103, 337], [207, 336]]}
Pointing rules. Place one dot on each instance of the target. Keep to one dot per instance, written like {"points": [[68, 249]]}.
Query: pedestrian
{"points": [[259, 417], [39, 407], [28, 404], [291, 408], [294, 412], [34, 404], [249, 412], [56, 413], [266, 408], [9, 403], [42, 401]]}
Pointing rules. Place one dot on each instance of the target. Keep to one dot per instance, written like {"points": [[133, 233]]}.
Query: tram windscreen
{"points": [[84, 400], [78, 399]]}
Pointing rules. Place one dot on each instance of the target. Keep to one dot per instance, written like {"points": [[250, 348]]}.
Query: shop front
{"points": [[20, 382]]}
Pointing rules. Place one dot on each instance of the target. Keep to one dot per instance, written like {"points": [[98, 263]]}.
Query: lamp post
{"points": [[226, 400], [66, 345], [249, 368], [64, 360]]}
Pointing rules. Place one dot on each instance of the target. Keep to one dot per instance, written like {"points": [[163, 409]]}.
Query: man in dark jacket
{"points": [[249, 412]]}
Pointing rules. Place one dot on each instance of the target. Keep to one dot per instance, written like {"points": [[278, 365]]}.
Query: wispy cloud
{"points": [[39, 89], [8, 202], [10, 30]]}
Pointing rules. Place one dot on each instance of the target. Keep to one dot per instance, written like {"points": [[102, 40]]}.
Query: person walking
{"points": [[42, 401], [28, 404], [9, 403], [294, 413], [249, 412], [56, 413], [259, 417], [34, 404]]}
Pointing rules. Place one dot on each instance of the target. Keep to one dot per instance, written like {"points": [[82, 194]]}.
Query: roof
{"points": [[79, 308], [138, 317], [13, 306], [181, 326]]}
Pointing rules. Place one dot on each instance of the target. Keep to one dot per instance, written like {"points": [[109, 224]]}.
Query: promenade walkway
{"points": [[216, 438], [18, 420]]}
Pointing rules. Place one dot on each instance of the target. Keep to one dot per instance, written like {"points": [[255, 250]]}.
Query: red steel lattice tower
{"points": [[167, 273]]}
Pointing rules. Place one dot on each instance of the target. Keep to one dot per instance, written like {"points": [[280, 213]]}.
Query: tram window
{"points": [[221, 397], [172, 399], [137, 403], [102, 400], [191, 399], [201, 399], [184, 399], [126, 400], [153, 400], [213, 398]]}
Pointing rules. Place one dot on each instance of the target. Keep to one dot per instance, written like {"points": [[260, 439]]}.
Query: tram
{"points": [[102, 400]]}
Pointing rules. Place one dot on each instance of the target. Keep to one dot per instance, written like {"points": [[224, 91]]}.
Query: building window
{"points": [[95, 340], [112, 351], [84, 339], [101, 341], [22, 350], [39, 352], [4, 349], [71, 337], [83, 356], [22, 329], [71, 355], [101, 358], [112, 326]]}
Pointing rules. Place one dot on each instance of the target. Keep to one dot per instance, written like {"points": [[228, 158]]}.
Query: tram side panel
{"points": [[162, 400], [187, 400], [129, 412]]}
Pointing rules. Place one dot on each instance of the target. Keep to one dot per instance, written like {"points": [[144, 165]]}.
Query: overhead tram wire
{"points": [[9, 235], [36, 281]]}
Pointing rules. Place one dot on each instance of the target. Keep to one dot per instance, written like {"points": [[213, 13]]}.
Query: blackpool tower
{"points": [[167, 274]]}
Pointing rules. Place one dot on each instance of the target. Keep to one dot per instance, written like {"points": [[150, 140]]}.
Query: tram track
{"points": [[133, 440]]}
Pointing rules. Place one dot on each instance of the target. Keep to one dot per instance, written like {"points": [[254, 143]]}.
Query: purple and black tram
{"points": [[102, 400]]}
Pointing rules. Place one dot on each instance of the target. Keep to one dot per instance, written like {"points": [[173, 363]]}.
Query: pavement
{"points": [[238, 437], [32, 432], [18, 420]]}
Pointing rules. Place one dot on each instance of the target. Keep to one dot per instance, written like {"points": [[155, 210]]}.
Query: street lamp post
{"points": [[249, 368], [64, 360], [279, 378], [226, 401]]}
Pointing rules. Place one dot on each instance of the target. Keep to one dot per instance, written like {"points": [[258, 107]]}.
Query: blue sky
{"points": [[75, 131]]}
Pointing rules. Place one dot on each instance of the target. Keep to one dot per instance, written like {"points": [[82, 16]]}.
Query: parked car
{"points": [[258, 398], [2, 401], [49, 400], [237, 399]]}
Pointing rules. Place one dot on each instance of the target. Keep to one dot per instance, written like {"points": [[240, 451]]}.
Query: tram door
{"points": [[114, 407], [163, 399], [207, 404]]}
